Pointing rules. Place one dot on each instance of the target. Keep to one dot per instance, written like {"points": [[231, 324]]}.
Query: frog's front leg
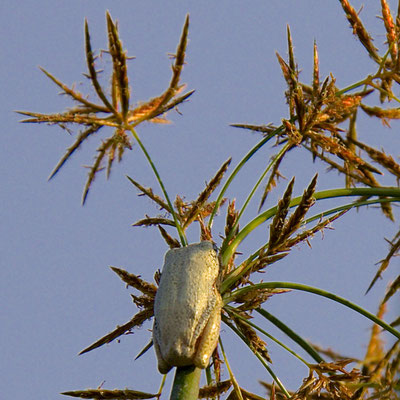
{"points": [[209, 338]]}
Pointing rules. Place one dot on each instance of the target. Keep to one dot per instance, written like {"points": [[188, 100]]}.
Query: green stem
{"points": [[186, 383], [292, 334], [248, 322], [320, 292], [238, 168], [355, 85], [259, 356], [153, 167], [344, 207], [232, 377], [227, 253], [250, 196], [368, 79]]}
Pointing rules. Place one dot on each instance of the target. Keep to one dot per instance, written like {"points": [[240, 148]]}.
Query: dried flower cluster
{"points": [[317, 114], [115, 112]]}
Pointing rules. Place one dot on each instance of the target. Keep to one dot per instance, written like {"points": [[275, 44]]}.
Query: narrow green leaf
{"points": [[320, 292], [259, 356], [246, 158], [292, 334]]}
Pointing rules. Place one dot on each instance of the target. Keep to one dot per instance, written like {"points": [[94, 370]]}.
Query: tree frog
{"points": [[187, 307]]}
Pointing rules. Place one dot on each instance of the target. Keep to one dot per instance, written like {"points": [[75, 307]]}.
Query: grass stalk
{"points": [[259, 356], [292, 334], [227, 253], [251, 194], [268, 335], [235, 383], [246, 158], [314, 290], [153, 167]]}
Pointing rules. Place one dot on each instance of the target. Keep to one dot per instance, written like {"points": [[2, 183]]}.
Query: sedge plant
{"points": [[322, 122]]}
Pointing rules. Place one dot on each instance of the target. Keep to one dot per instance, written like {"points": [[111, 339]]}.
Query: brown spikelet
{"points": [[297, 217], [315, 82], [136, 321], [292, 62], [120, 69], [143, 301], [149, 221], [350, 136], [294, 135], [392, 289], [212, 391], [103, 394], [134, 281], [264, 129], [256, 344], [74, 94], [217, 361], [356, 173], [254, 298], [80, 139], [96, 167], [171, 242], [328, 380], [278, 222], [147, 110], [391, 33], [179, 57], [334, 146], [376, 360], [180, 206], [380, 157], [276, 392], [285, 71], [375, 348], [382, 113], [208, 208], [90, 59], [160, 104], [273, 178], [359, 29], [205, 194], [231, 218], [61, 119], [150, 194], [394, 248], [263, 260], [205, 230], [304, 236]]}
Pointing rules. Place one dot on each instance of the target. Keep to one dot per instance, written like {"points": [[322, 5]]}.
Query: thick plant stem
{"points": [[186, 383]]}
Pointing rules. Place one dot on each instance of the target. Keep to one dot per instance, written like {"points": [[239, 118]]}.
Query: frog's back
{"points": [[185, 299]]}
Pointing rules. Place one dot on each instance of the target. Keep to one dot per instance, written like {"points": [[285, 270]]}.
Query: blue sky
{"points": [[57, 293]]}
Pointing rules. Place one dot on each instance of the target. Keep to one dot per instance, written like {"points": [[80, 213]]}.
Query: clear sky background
{"points": [[57, 294]]}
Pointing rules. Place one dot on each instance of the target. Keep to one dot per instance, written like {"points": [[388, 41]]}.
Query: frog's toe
{"points": [[163, 367]]}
